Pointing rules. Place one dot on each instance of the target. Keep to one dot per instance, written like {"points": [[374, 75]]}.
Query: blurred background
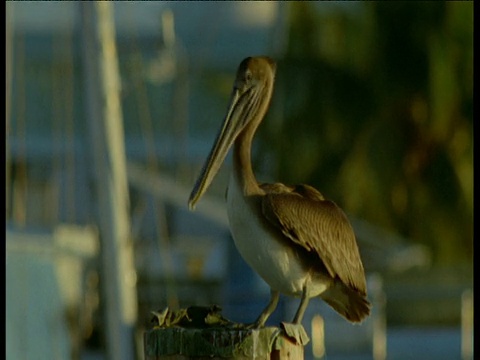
{"points": [[111, 110]]}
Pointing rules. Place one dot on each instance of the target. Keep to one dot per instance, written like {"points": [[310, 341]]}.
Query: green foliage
{"points": [[375, 109]]}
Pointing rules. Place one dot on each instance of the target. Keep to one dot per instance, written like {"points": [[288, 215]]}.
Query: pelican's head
{"points": [[249, 101]]}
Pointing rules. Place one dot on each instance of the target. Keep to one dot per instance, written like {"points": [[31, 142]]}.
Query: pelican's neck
{"points": [[242, 165]]}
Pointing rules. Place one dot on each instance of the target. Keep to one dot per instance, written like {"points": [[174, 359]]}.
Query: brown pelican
{"points": [[301, 244]]}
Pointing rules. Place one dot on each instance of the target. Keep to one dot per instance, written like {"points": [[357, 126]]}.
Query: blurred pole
{"points": [[318, 337], [102, 86], [467, 325], [8, 98], [379, 319]]}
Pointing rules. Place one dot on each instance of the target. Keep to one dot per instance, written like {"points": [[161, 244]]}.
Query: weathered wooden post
{"points": [[202, 333]]}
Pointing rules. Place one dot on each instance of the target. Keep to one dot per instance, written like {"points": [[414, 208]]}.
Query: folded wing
{"points": [[306, 218]]}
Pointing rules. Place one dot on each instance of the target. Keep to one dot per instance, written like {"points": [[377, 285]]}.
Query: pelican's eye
{"points": [[248, 77]]}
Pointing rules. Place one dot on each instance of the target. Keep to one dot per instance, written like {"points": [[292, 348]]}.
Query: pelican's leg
{"points": [[301, 309], [269, 309]]}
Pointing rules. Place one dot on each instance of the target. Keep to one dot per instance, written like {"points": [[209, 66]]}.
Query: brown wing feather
{"points": [[306, 218]]}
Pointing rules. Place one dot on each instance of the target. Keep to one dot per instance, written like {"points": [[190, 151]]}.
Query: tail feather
{"points": [[350, 303]]}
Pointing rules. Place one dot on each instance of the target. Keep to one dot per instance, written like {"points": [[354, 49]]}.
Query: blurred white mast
{"points": [[103, 110]]}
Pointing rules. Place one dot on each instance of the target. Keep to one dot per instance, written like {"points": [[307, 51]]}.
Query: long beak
{"points": [[231, 127]]}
